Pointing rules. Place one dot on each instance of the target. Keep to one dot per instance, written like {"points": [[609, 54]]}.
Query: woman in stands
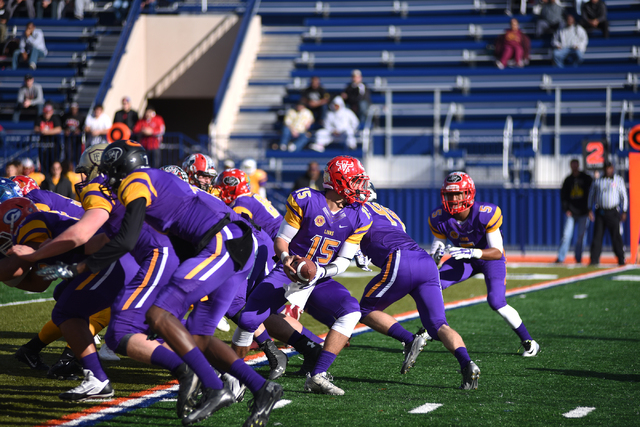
{"points": [[513, 44]]}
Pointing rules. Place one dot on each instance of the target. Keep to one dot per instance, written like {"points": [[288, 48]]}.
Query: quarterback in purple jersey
{"points": [[325, 227], [474, 230], [217, 254], [406, 269]]}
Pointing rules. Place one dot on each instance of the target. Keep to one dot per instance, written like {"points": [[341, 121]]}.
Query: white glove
{"points": [[58, 271], [320, 273], [437, 251], [362, 261], [465, 253]]}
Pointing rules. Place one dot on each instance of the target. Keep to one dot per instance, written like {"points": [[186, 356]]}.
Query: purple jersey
{"points": [[387, 235], [260, 211], [50, 201], [174, 206], [321, 233], [93, 197], [472, 233]]}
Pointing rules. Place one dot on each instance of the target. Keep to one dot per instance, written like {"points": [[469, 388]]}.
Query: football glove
{"points": [[320, 273], [465, 253], [58, 271], [439, 251], [362, 261]]}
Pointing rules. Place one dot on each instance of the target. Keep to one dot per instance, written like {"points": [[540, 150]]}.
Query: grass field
{"points": [[588, 331]]}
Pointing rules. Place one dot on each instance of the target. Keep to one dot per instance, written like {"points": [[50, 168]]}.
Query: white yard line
{"points": [[579, 412], [426, 408], [31, 301]]}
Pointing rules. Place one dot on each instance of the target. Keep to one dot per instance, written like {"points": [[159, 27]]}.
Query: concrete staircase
{"points": [[253, 130]]}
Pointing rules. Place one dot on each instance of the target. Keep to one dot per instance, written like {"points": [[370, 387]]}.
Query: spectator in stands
{"points": [[512, 44], [357, 95], [150, 129], [569, 44], [32, 47], [120, 10], [312, 178], [127, 116], [58, 182], [594, 15], [574, 197], [316, 99], [72, 121], [228, 164], [73, 9], [47, 123], [257, 177], [550, 19], [608, 195], [29, 169], [10, 170], [296, 126], [4, 17], [97, 126], [69, 170], [13, 5], [340, 125], [29, 96], [50, 8]]}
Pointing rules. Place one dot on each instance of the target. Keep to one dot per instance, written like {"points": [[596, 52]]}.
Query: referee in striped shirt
{"points": [[609, 196]]}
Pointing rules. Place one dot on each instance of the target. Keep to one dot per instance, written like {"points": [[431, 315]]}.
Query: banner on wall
{"points": [[594, 154], [634, 189]]}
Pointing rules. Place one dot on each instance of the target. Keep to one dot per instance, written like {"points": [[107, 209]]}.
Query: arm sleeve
{"points": [[39, 96], [591, 195], [123, 242], [564, 195], [602, 16], [342, 262], [494, 240], [623, 195], [286, 232], [21, 96]]}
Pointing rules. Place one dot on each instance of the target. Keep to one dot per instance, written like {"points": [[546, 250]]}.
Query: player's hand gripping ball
{"points": [[304, 270]]}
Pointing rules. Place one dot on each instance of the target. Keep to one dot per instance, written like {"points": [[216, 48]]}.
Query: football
{"points": [[305, 270]]}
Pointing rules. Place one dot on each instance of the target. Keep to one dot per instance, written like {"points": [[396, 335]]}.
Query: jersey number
{"points": [[267, 205], [486, 209], [388, 213], [303, 194], [327, 248]]}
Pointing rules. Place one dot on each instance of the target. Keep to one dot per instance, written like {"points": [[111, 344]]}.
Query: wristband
{"points": [[284, 254]]}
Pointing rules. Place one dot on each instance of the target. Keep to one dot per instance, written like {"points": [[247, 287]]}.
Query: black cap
{"points": [[28, 76], [607, 163]]}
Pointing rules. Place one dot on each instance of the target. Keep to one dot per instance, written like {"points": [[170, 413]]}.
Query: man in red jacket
{"points": [[150, 129]]}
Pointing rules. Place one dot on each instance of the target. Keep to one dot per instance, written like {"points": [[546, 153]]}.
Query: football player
{"points": [[406, 269], [218, 257], [9, 189], [46, 200], [474, 230], [325, 227], [201, 171]]}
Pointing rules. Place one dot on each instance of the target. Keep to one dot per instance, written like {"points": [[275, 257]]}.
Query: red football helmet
{"points": [[12, 213], [177, 171], [201, 170], [232, 183], [26, 183], [457, 182], [347, 177]]}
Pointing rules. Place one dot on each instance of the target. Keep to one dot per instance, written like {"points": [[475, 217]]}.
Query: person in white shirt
{"points": [[569, 44], [32, 47], [296, 124], [97, 126], [340, 125]]}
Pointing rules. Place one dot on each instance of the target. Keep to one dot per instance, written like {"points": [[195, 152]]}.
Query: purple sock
{"points": [[92, 363], [293, 339], [313, 337], [262, 337], [397, 332], [196, 361], [462, 356], [247, 376], [165, 358], [523, 333], [324, 361]]}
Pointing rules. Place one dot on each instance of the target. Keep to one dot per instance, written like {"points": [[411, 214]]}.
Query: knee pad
{"points": [[242, 338], [121, 346], [511, 316], [347, 323]]}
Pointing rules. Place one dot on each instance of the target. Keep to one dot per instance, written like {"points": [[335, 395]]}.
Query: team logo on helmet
{"points": [[11, 216], [344, 166], [95, 156], [319, 221], [231, 181], [454, 178], [113, 154], [453, 234]]}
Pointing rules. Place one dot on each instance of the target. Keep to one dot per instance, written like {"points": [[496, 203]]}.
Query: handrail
{"points": [[249, 12], [105, 85], [447, 127], [535, 130], [367, 147], [625, 108], [507, 137]]}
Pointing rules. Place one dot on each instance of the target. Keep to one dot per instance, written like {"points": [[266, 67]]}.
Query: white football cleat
{"points": [[236, 387], [321, 383], [107, 354], [531, 348], [91, 388], [223, 325]]}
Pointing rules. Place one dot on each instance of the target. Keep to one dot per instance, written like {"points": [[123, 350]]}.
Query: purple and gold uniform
{"points": [[50, 201], [406, 269], [472, 233], [320, 236], [260, 211], [153, 253], [213, 269], [85, 294]]}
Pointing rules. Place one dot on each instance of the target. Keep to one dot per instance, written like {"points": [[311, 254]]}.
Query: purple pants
{"points": [[130, 306], [408, 273], [495, 276], [328, 297], [211, 273], [88, 294]]}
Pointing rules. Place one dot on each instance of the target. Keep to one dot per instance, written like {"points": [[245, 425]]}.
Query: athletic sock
{"points": [[36, 345], [324, 361], [92, 363], [49, 333], [247, 376], [264, 336], [294, 338], [313, 337], [523, 333], [198, 363], [397, 332], [462, 356], [165, 358]]}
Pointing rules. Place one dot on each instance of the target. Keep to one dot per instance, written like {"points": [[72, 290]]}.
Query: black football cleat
{"points": [[277, 359], [31, 358], [262, 404], [189, 385], [65, 369], [211, 401]]}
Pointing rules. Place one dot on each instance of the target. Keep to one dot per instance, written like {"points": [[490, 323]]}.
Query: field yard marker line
{"points": [[258, 358], [579, 412], [426, 408], [26, 302], [281, 403]]}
